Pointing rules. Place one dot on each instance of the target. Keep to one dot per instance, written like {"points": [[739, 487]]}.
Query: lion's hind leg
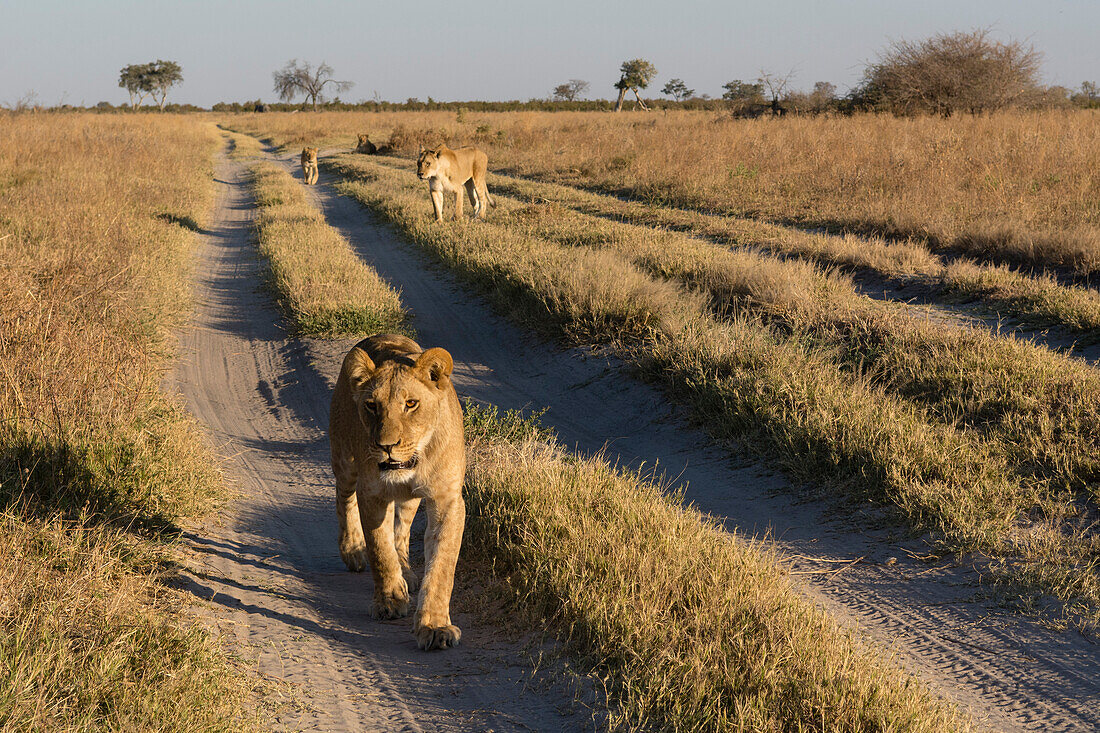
{"points": [[475, 200]]}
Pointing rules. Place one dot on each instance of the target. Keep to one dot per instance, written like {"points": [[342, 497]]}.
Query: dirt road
{"points": [[269, 562], [265, 398]]}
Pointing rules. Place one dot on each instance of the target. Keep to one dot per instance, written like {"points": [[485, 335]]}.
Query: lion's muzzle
{"points": [[391, 465]]}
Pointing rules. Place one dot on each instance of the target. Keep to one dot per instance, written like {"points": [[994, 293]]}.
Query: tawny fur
{"points": [[449, 171], [309, 165], [395, 403], [365, 146]]}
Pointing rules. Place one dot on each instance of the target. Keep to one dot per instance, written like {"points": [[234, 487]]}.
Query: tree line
{"points": [[946, 74]]}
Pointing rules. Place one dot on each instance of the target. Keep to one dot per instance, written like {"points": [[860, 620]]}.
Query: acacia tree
{"points": [[677, 90], [162, 76], [153, 79], [570, 90], [134, 78], [294, 79], [636, 74]]}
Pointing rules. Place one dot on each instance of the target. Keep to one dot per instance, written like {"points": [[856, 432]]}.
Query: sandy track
{"points": [[268, 564], [1013, 674]]}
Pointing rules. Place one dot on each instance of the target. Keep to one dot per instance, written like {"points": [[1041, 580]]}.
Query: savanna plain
{"points": [[898, 313]]}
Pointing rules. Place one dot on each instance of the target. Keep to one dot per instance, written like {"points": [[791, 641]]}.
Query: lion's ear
{"points": [[358, 367], [437, 364]]}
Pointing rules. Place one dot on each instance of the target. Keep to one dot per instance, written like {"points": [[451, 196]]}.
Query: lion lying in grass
{"points": [[365, 146], [448, 170], [396, 436]]}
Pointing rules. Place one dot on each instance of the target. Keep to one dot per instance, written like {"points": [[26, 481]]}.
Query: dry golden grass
{"points": [[323, 286], [1040, 409], [694, 629], [1036, 300], [96, 242], [747, 379], [1012, 187]]}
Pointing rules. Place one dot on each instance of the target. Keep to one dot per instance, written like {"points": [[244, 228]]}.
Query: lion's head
{"points": [[363, 139], [309, 155], [399, 402], [427, 163]]}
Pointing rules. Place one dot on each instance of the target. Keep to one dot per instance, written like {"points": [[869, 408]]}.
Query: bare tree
{"points": [[676, 89], [294, 79], [636, 74], [949, 73], [775, 85], [570, 90]]}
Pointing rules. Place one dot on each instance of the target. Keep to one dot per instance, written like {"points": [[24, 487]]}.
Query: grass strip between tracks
{"points": [[691, 627], [324, 288]]}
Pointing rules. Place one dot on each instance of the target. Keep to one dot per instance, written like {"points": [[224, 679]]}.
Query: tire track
{"points": [[268, 567]]}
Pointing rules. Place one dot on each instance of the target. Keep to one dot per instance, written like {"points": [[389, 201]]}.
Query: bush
{"points": [[949, 73]]}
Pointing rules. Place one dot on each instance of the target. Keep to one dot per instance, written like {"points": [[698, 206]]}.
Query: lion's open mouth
{"points": [[392, 465]]}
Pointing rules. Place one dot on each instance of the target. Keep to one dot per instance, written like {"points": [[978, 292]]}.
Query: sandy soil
{"points": [[268, 564], [273, 569]]}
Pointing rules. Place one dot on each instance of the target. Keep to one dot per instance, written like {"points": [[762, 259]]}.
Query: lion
{"points": [[309, 165], [447, 170], [365, 146], [396, 436]]}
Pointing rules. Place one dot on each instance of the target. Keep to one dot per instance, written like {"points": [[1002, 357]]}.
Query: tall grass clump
{"points": [[324, 287], [750, 380], [96, 464], [693, 628]]}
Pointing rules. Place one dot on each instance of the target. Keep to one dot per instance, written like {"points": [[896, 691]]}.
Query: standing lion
{"points": [[396, 436], [448, 170], [309, 165]]}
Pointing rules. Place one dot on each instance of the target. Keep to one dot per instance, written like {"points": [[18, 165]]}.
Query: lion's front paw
{"points": [[394, 604], [437, 637], [354, 556], [412, 580]]}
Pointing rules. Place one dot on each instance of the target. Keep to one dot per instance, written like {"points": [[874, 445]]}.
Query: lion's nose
{"points": [[387, 447]]}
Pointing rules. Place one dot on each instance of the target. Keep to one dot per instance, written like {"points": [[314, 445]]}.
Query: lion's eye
{"points": [[410, 404], [370, 406]]}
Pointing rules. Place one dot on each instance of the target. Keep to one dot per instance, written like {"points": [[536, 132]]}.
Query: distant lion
{"points": [[448, 170], [365, 146], [309, 165], [396, 436]]}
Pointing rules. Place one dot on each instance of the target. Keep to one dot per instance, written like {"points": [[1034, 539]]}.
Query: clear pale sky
{"points": [[496, 50]]}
